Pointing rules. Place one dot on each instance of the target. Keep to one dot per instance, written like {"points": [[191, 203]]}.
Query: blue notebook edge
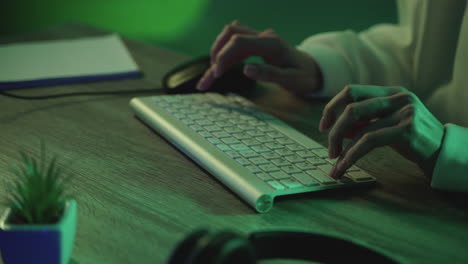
{"points": [[70, 80]]}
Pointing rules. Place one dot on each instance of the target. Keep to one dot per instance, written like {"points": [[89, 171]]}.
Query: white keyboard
{"points": [[255, 154]]}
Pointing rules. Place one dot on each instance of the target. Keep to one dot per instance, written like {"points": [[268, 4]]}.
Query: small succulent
{"points": [[38, 191]]}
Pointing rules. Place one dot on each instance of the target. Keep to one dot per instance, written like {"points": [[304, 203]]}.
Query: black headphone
{"points": [[226, 247]]}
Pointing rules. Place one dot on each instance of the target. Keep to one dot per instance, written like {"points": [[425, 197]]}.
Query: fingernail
{"points": [[331, 153], [322, 124], [332, 171], [251, 70], [217, 72], [200, 85]]}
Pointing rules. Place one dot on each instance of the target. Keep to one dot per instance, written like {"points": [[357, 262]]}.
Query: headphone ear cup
{"points": [[226, 248], [185, 249]]}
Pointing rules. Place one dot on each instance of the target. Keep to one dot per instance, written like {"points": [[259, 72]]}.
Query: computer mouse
{"points": [[184, 78]]}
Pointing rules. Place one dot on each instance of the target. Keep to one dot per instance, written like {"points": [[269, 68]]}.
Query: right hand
{"points": [[284, 64]]}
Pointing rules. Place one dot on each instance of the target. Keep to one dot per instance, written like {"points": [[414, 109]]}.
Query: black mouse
{"points": [[184, 78]]}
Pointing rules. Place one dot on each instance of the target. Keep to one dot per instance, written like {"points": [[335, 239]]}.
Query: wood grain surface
{"points": [[138, 195]]}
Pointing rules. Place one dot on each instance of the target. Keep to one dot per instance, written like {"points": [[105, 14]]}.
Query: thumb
{"points": [[266, 73]]}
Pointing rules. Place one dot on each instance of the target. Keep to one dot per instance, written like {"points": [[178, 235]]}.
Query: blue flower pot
{"points": [[51, 244]]}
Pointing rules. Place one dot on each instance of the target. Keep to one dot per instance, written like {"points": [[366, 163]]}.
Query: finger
{"points": [[206, 80], [364, 145], [363, 111], [269, 73], [353, 93], [227, 32], [375, 125], [240, 47]]}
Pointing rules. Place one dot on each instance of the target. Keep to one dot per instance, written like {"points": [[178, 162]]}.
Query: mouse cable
{"points": [[53, 96]]}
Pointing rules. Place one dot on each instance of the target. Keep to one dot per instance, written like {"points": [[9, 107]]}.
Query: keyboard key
{"points": [[214, 141], [223, 124], [213, 117], [275, 134], [223, 147], [305, 179], [204, 122], [291, 183], [264, 139], [221, 134], [253, 168], [265, 129], [320, 176], [179, 116], [325, 168], [284, 152], [276, 185], [245, 127], [280, 162], [274, 146], [230, 141], [187, 121], [345, 180], [241, 136], [294, 159], [316, 161], [232, 130], [213, 128], [263, 116], [269, 155], [264, 176], [261, 149], [259, 161], [269, 168], [353, 168], [322, 153], [251, 142], [305, 154], [279, 175], [295, 147], [233, 154], [255, 133], [204, 134], [196, 127], [243, 161], [305, 165], [249, 153], [240, 147], [285, 141], [290, 169], [359, 175]]}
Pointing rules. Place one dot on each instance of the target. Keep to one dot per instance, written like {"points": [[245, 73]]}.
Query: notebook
{"points": [[45, 63]]}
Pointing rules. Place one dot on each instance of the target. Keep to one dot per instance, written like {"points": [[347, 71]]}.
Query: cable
{"points": [[53, 96]]}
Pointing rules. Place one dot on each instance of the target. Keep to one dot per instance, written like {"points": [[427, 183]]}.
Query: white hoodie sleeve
{"points": [[379, 56], [451, 169]]}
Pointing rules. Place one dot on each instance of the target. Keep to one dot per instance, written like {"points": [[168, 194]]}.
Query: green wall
{"points": [[190, 26]]}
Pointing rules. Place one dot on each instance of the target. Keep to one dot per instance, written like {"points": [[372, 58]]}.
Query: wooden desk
{"points": [[138, 196]]}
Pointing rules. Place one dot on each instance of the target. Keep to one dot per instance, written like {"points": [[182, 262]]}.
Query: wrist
{"points": [[428, 165]]}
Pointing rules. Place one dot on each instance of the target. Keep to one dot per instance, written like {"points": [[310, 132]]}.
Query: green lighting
{"points": [[141, 19]]}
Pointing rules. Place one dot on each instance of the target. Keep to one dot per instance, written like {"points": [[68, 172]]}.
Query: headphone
{"points": [[226, 247]]}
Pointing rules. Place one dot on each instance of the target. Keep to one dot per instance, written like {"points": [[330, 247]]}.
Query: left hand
{"points": [[374, 116]]}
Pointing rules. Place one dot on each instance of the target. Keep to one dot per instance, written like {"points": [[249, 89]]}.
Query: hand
{"points": [[285, 65], [375, 116]]}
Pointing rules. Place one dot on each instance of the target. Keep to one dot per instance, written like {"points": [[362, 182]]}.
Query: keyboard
{"points": [[256, 155]]}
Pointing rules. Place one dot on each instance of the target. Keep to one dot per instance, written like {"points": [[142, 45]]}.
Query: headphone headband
{"points": [[311, 247], [225, 247]]}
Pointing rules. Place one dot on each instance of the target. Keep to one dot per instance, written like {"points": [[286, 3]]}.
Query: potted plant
{"points": [[40, 222]]}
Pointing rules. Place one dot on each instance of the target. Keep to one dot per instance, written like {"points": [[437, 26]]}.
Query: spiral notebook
{"points": [[45, 63]]}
